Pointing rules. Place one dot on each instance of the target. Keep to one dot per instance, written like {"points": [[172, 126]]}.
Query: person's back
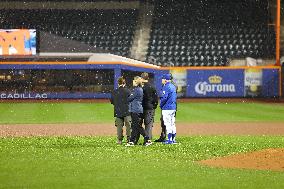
{"points": [[120, 102], [150, 98], [135, 100], [136, 112], [119, 98], [168, 101], [168, 106], [150, 103]]}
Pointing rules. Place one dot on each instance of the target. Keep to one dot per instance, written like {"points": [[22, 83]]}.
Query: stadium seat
{"points": [[197, 35], [106, 29]]}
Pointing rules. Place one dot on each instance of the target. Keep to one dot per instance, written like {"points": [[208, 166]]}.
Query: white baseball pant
{"points": [[169, 121]]}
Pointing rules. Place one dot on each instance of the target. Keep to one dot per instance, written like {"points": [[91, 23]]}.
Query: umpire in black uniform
{"points": [[119, 98], [150, 103]]}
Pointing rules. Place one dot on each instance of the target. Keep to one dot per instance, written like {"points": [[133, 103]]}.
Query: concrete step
{"points": [[142, 33]]}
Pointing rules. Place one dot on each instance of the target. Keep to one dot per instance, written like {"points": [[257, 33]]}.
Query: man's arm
{"points": [[128, 92], [155, 98], [164, 97], [111, 97], [132, 96]]}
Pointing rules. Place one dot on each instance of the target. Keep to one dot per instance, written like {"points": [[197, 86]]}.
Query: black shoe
{"points": [[147, 143], [130, 144], [160, 140]]}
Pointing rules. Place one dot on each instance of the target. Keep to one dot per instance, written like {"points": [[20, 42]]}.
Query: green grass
{"points": [[96, 162], [230, 112], [13, 113]]}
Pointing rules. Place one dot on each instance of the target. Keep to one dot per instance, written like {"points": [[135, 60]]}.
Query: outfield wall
{"points": [[72, 80], [242, 82]]}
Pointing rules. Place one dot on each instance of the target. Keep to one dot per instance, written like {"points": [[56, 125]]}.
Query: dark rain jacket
{"points": [[119, 98]]}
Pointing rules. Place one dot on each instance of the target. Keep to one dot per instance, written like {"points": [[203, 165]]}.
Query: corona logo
{"points": [[214, 86], [215, 79], [15, 39], [203, 88]]}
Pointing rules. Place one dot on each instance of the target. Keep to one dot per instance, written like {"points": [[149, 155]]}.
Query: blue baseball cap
{"points": [[167, 77]]}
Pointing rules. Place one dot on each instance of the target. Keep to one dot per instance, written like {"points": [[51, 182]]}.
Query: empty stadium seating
{"points": [[73, 0], [110, 30], [210, 33], [183, 33]]}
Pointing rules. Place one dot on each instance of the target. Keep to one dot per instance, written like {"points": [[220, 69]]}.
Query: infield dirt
{"points": [[268, 159], [187, 129]]}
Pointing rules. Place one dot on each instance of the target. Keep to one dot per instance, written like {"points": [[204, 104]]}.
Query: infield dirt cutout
{"points": [[108, 129], [267, 159]]}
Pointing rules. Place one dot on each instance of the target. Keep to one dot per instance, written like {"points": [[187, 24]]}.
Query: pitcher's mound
{"points": [[268, 159]]}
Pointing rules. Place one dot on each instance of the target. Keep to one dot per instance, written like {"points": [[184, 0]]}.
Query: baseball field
{"points": [[73, 145]]}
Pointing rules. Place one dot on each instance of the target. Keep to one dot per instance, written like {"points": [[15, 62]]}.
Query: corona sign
{"points": [[17, 42], [215, 83]]}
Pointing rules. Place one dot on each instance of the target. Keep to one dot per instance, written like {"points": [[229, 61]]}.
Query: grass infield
{"points": [[13, 113], [96, 162]]}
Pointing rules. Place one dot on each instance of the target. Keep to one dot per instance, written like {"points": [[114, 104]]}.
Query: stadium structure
{"points": [[212, 48]]}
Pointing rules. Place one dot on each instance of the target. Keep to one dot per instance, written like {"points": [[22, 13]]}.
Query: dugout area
{"points": [[98, 77]]}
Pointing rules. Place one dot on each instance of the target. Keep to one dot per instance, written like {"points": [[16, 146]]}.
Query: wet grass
{"points": [[97, 162], [36, 113]]}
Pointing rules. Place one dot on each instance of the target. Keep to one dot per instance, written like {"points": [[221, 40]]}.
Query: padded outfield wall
{"points": [[72, 80]]}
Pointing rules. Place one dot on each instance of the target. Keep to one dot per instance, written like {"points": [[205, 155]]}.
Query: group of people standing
{"points": [[133, 108]]}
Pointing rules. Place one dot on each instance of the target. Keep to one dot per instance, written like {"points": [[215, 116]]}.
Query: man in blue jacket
{"points": [[168, 103], [136, 111]]}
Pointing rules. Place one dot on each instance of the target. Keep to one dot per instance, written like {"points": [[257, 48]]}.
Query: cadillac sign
{"points": [[23, 96]]}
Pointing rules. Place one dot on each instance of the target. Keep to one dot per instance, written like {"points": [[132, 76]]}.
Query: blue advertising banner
{"points": [[270, 83], [191, 82], [215, 83], [49, 95]]}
